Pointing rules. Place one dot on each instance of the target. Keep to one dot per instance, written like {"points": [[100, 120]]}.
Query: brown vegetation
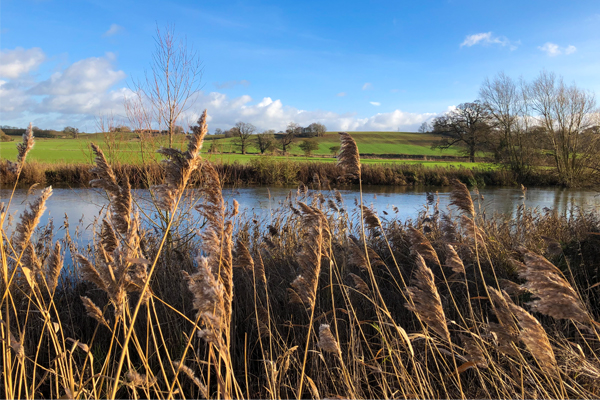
{"points": [[316, 305]]}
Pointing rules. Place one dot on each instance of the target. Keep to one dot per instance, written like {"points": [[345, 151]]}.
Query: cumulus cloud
{"points": [[375, 103], [487, 38], [91, 87], [341, 94], [231, 84], [367, 86], [553, 50], [17, 62], [273, 114], [113, 30]]}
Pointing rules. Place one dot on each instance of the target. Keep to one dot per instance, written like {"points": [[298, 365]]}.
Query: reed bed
{"points": [[266, 170], [318, 299]]}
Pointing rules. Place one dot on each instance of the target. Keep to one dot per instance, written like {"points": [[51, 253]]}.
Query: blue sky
{"points": [[378, 65]]}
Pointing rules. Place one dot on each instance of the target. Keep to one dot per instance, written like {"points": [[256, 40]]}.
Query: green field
{"points": [[127, 149]]}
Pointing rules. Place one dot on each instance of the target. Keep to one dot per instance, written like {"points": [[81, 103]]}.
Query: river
{"points": [[84, 205]]}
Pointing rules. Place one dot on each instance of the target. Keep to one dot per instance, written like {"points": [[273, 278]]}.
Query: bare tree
{"points": [[467, 126], [566, 114], [289, 137], [173, 81], [509, 106], [265, 141], [242, 132]]}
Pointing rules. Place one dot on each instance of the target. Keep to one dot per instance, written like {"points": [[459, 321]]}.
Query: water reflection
{"points": [[85, 205]]}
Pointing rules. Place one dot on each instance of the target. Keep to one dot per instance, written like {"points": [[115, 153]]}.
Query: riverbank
{"points": [[272, 171]]}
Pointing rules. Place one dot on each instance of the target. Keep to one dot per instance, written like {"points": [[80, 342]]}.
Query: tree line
{"points": [[526, 125], [246, 135]]}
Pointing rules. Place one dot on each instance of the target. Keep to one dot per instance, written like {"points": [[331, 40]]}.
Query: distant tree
{"points": [[425, 127], [308, 146], [242, 132], [4, 137], [294, 129], [468, 126], [265, 141], [229, 133], [287, 138], [215, 147], [316, 129], [178, 130], [218, 131], [334, 150], [74, 132], [120, 128]]}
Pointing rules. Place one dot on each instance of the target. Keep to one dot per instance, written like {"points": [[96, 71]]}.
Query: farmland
{"points": [[126, 148]]}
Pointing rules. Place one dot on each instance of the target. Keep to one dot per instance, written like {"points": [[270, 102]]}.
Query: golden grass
{"points": [[314, 305]]}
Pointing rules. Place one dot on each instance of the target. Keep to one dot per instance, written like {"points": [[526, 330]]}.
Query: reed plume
{"points": [[534, 337], [243, 259], [370, 217], [216, 237], [120, 196], [29, 220], [209, 302], [426, 301], [26, 145], [506, 331], [421, 245], [554, 295], [453, 261], [54, 264], [304, 287], [190, 374], [93, 311], [348, 157], [461, 197], [360, 284], [327, 342], [179, 165]]}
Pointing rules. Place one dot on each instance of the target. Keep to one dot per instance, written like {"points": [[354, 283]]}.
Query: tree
{"points": [[265, 141], [308, 146], [74, 132], [467, 126], [334, 150], [316, 129], [218, 131], [172, 83], [566, 114], [425, 127], [242, 131], [514, 142], [287, 139]]}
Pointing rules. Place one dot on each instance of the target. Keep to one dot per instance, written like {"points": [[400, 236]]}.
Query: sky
{"points": [[358, 66]]}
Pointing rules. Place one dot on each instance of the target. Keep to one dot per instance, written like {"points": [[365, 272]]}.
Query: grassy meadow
{"points": [[319, 299], [128, 148]]}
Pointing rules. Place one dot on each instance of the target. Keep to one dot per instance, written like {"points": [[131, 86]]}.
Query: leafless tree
{"points": [[467, 126], [508, 104], [174, 79], [566, 114], [242, 132], [316, 129], [289, 137]]}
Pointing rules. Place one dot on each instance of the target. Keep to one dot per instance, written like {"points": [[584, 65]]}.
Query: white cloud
{"points": [[231, 84], [553, 50], [113, 30], [375, 103], [87, 88], [367, 86], [273, 114], [487, 38], [17, 62], [91, 75], [341, 94], [570, 49]]}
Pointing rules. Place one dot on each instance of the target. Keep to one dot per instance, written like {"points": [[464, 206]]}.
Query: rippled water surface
{"points": [[83, 206]]}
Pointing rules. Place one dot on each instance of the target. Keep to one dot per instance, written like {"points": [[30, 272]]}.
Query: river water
{"points": [[83, 206]]}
